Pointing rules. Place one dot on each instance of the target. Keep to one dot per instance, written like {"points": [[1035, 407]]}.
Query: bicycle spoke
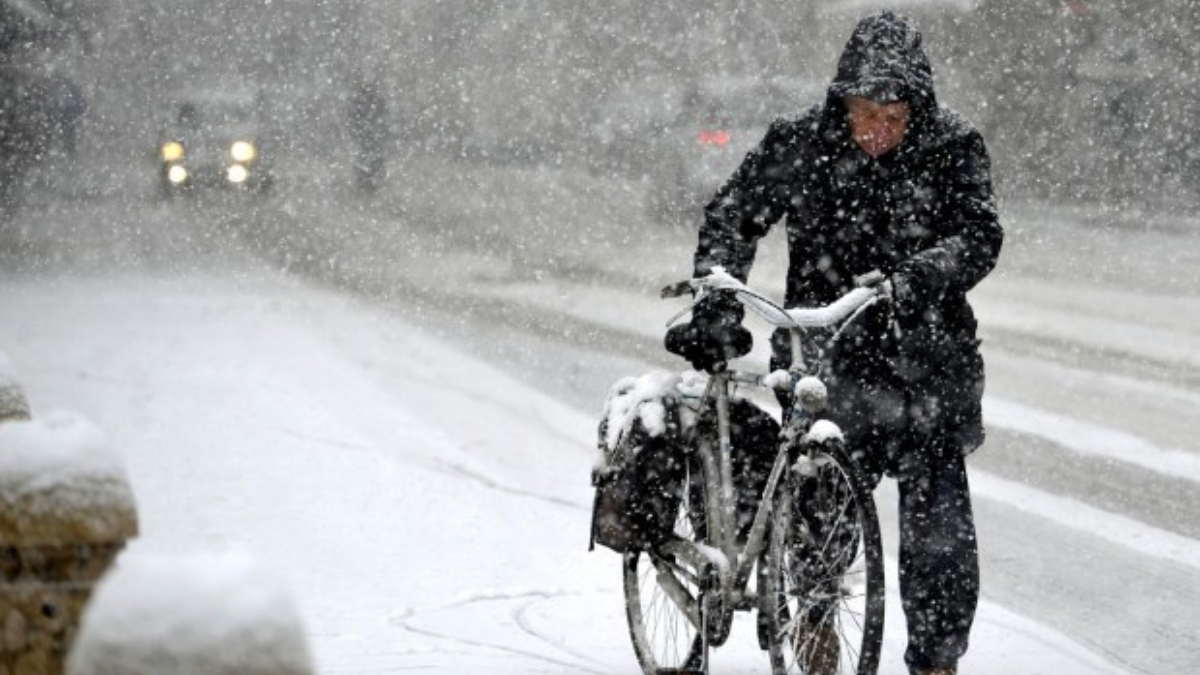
{"points": [[678, 593], [664, 631]]}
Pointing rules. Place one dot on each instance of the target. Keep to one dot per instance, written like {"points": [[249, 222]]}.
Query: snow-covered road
{"points": [[429, 510], [417, 463]]}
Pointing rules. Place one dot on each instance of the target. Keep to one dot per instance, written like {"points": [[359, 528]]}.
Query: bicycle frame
{"points": [[733, 563]]}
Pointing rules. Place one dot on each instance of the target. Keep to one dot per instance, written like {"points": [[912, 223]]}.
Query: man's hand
{"points": [[704, 346], [714, 335], [905, 302]]}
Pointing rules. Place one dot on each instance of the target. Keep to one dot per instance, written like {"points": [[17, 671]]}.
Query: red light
{"points": [[719, 137]]}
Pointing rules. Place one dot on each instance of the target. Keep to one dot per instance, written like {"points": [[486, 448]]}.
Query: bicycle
{"points": [[814, 544]]}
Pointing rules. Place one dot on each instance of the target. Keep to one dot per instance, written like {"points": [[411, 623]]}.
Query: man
{"points": [[880, 177]]}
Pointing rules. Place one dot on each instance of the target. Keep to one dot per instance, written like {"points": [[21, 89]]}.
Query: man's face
{"points": [[876, 127]]}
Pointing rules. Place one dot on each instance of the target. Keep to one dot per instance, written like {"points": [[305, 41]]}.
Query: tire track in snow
{"points": [[452, 469], [406, 621], [527, 417], [457, 470], [522, 621]]}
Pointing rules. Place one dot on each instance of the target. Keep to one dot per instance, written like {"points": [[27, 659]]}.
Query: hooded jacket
{"points": [[923, 213]]}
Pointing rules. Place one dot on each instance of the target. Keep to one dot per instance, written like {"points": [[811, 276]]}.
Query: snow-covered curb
{"points": [[13, 405], [202, 614], [61, 483]]}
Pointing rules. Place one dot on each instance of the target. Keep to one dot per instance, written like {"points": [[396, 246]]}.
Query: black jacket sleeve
{"points": [[744, 209], [972, 238]]}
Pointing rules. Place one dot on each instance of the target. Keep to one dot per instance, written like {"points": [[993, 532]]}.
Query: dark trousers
{"points": [[939, 555], [914, 439], [916, 433]]}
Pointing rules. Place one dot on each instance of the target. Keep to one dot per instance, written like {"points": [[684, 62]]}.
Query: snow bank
{"points": [[61, 482], [201, 614], [13, 405]]}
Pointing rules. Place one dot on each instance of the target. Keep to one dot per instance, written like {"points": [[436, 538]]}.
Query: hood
{"points": [[884, 61]]}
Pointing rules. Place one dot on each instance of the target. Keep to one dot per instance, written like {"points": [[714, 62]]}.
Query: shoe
{"points": [[938, 671], [817, 648]]}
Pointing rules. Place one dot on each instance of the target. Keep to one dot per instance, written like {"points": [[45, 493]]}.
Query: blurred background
{"points": [[1090, 100]]}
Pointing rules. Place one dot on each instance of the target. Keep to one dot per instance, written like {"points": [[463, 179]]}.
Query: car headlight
{"points": [[172, 151], [237, 174], [177, 174], [243, 151]]}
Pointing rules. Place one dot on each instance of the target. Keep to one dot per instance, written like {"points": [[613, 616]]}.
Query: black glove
{"points": [[714, 335], [906, 304]]}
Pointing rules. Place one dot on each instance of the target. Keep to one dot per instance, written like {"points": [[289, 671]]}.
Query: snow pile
{"points": [[813, 395], [824, 431], [60, 482], [203, 614], [13, 405]]}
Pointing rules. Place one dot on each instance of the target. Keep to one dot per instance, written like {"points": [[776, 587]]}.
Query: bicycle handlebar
{"points": [[870, 287], [835, 313]]}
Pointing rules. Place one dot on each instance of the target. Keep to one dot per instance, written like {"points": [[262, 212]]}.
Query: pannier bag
{"points": [[646, 450], [640, 472]]}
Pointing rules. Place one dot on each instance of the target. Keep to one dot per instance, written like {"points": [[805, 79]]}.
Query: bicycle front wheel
{"points": [[823, 582], [666, 596]]}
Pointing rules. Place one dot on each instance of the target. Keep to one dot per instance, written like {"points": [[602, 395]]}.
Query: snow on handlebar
{"points": [[870, 287], [835, 313]]}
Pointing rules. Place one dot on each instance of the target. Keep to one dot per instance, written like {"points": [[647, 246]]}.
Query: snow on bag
{"points": [[639, 475], [647, 450]]}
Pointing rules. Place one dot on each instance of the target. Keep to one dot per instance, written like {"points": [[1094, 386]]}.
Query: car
{"points": [[722, 119], [214, 139]]}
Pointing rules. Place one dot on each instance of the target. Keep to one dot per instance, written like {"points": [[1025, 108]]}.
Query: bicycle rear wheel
{"points": [[823, 584], [666, 596]]}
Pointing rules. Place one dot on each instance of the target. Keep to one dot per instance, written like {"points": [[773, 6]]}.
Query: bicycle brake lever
{"points": [[677, 289]]}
